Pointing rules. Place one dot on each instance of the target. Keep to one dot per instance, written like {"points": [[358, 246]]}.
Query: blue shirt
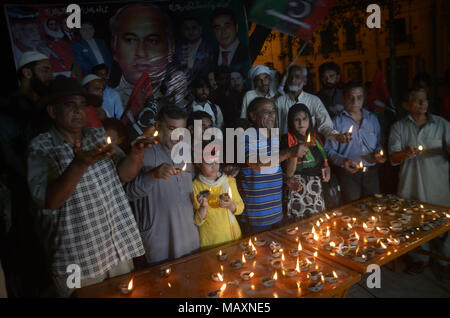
{"points": [[262, 190], [112, 103], [365, 143]]}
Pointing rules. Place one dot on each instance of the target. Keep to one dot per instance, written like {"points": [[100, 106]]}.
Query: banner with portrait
{"points": [[160, 45]]}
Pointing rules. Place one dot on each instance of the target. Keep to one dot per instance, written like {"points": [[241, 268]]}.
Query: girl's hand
{"points": [[202, 212], [229, 204], [202, 201]]}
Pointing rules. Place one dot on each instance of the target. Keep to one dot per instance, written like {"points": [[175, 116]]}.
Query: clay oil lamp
{"points": [[236, 264], [245, 246], [393, 241], [250, 253], [396, 228], [276, 263], [368, 227], [180, 170], [354, 239], [216, 293], [165, 271], [371, 238], [346, 219], [331, 278], [247, 275], [316, 286], [330, 247], [269, 281], [127, 288], [291, 272], [260, 242], [217, 277], [226, 196], [296, 252], [380, 248], [383, 230], [221, 256], [275, 253], [338, 213], [404, 220], [292, 231], [314, 275], [274, 244]]}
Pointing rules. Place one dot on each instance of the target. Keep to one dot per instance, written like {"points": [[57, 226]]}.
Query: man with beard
{"points": [[21, 120], [330, 94], [296, 79], [201, 90], [142, 41], [261, 78]]}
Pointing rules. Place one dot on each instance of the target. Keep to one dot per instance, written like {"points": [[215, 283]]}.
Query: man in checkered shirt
{"points": [[85, 218]]}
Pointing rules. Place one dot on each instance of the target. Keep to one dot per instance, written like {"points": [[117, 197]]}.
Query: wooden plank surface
{"points": [[191, 276], [383, 220]]}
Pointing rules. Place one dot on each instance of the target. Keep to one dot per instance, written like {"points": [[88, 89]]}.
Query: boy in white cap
{"points": [[261, 80], [94, 87]]}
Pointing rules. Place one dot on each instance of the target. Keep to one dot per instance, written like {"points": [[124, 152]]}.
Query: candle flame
{"points": [[327, 216], [335, 275], [381, 152], [309, 138], [299, 246], [322, 278], [224, 286], [357, 236], [108, 140], [155, 133], [364, 225], [298, 285], [420, 147], [221, 268], [243, 258], [332, 244], [249, 242], [282, 257], [251, 274], [354, 220], [220, 252], [313, 230], [229, 193], [297, 267], [184, 167], [363, 256], [382, 245], [361, 164], [350, 129], [275, 276], [349, 226], [308, 261], [318, 223], [374, 218], [316, 237], [168, 284], [130, 284], [315, 254], [328, 233], [220, 277]]}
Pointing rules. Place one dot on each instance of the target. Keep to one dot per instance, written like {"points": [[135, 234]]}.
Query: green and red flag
{"points": [[294, 17]]}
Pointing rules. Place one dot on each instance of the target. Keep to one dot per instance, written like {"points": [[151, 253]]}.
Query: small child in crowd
{"points": [[214, 212]]}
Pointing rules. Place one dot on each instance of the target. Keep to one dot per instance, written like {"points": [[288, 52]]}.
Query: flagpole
{"points": [[292, 62]]}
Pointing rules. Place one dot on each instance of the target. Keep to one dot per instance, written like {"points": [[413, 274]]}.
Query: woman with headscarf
{"points": [[310, 171]]}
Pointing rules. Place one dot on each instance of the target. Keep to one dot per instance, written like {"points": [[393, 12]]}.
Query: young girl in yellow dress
{"points": [[215, 213]]}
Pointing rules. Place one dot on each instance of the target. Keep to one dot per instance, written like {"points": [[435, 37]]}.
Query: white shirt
{"points": [[232, 49], [217, 122], [425, 177], [319, 113], [251, 95]]}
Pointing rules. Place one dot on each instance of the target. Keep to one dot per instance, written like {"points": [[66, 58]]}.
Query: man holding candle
{"points": [[261, 183], [363, 149], [424, 175], [161, 196], [76, 179]]}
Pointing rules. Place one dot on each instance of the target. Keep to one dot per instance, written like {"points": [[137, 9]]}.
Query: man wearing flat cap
{"points": [[76, 178]]}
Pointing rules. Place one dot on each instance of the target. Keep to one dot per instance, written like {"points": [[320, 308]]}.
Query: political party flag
{"points": [[294, 17]]}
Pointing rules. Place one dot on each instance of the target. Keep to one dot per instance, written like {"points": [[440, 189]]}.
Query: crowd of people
{"points": [[110, 208]]}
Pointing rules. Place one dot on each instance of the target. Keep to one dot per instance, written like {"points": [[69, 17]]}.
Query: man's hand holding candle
{"points": [[351, 166], [85, 158], [380, 157], [163, 171]]}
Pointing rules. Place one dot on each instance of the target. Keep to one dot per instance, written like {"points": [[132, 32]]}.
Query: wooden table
{"points": [[351, 210], [191, 276]]}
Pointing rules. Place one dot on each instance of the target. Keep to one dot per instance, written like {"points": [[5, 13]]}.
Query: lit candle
{"points": [[246, 275], [155, 134], [381, 152], [165, 271], [108, 140], [221, 256], [350, 130], [420, 148], [127, 288]]}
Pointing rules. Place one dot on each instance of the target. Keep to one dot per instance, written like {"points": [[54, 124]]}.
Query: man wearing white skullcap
{"points": [[261, 79], [94, 86], [21, 119]]}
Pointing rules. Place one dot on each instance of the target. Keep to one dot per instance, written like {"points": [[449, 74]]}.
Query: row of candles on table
{"points": [[314, 237]]}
